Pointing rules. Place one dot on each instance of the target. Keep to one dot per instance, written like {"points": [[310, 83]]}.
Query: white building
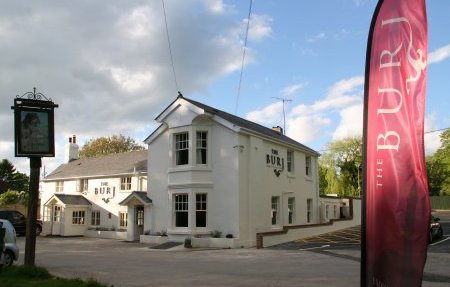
{"points": [[214, 173], [84, 194]]}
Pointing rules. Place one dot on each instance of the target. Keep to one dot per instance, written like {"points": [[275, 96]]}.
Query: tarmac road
{"points": [[133, 264]]}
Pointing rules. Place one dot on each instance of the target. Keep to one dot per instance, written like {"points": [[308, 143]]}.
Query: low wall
{"points": [[153, 239], [210, 242], [290, 233], [106, 234]]}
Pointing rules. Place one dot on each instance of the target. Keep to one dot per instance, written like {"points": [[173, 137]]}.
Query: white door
{"points": [[138, 221], [56, 220]]}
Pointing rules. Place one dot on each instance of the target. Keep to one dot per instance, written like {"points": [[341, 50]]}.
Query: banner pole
{"points": [[363, 269]]}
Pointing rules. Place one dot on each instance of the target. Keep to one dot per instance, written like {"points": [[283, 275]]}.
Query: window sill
{"points": [[290, 175], [308, 178], [190, 168]]}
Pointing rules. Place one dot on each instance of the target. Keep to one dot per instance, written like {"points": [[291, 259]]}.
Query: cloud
{"points": [[307, 129], [109, 70], [439, 55], [351, 123], [432, 140], [292, 89], [306, 123], [317, 37], [260, 27], [268, 115]]}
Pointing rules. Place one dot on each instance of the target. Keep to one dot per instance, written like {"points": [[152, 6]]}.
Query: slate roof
{"points": [[251, 126], [70, 199], [140, 195], [113, 164]]}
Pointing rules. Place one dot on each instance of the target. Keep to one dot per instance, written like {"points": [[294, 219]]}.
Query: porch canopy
{"points": [[68, 199], [136, 198]]}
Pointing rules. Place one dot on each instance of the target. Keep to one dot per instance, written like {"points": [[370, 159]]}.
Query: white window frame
{"points": [[125, 183], [308, 165], [95, 218], [181, 145], [123, 219], [275, 210], [290, 161], [180, 205], [59, 186], [291, 210], [56, 213], [78, 217], [309, 217], [201, 147], [201, 207]]}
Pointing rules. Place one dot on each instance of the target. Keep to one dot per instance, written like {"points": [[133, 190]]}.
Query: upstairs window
{"points": [[202, 147], [82, 185], [182, 149], [59, 186], [308, 165], [290, 161], [125, 183]]}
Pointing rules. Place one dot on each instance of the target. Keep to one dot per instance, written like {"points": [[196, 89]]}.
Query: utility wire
{"points": [[243, 57], [170, 47]]}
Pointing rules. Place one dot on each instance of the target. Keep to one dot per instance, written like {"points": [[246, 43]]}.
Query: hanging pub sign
{"points": [[34, 125]]}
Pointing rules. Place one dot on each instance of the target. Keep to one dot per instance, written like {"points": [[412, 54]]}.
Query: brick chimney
{"points": [[72, 149], [278, 129]]}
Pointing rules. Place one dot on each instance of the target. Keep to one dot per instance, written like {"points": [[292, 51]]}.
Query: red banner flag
{"points": [[395, 224]]}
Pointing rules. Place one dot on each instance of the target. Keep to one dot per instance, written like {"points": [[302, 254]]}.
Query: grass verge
{"points": [[19, 276]]}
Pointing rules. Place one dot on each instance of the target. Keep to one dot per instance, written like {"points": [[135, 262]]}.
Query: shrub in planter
{"points": [[188, 242], [229, 235], [216, 234]]}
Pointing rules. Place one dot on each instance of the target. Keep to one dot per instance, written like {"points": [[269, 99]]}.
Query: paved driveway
{"points": [[133, 264]]}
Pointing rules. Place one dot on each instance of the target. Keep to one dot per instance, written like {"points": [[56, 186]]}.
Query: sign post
{"points": [[34, 138]]}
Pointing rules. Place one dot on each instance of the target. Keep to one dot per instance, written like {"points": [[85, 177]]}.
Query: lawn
{"points": [[20, 276]]}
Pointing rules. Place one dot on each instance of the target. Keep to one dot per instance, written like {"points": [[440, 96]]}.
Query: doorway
{"points": [[139, 221]]}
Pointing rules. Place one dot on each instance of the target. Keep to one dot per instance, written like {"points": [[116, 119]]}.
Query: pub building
{"points": [[208, 174]]}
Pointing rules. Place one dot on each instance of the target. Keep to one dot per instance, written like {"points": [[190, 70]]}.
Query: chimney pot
{"points": [[74, 139], [278, 129], [70, 140]]}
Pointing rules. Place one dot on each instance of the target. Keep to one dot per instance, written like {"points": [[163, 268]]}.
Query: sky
{"points": [[107, 64]]}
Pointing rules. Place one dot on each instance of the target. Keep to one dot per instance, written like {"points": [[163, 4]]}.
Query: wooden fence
{"points": [[440, 202]]}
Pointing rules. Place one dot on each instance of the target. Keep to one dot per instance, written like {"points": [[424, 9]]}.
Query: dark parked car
{"points": [[19, 221], [436, 231]]}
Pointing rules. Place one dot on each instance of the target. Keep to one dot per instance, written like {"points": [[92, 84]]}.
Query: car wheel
{"points": [[8, 258], [440, 232], [38, 230]]}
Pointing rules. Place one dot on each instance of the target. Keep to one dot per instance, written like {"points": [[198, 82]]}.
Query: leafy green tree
{"points": [[438, 167], [11, 179], [341, 164], [13, 197], [108, 145]]}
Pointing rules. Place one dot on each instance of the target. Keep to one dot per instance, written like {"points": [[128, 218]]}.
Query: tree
{"points": [[341, 167], [438, 167], [108, 145], [11, 179]]}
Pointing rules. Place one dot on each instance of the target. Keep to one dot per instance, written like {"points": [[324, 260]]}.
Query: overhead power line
{"points": [[243, 57], [170, 47]]}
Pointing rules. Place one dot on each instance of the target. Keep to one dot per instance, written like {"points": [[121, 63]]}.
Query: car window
{"points": [[9, 232]]}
